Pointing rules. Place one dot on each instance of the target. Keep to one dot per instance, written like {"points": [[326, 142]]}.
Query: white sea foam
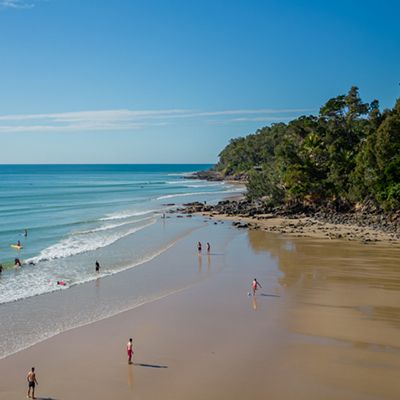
{"points": [[112, 226], [126, 214], [171, 196], [25, 289], [182, 181], [204, 185], [73, 245], [183, 173]]}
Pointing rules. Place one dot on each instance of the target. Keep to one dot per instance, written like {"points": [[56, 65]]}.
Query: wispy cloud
{"points": [[124, 119], [17, 4]]}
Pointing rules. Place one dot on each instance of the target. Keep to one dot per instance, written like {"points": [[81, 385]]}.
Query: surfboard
{"points": [[15, 246]]}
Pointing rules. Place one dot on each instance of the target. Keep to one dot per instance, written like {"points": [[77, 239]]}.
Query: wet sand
{"points": [[325, 325]]}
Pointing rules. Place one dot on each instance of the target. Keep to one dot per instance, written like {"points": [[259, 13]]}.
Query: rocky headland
{"points": [[366, 224]]}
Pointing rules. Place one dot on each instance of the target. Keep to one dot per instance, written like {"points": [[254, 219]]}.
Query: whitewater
{"points": [[76, 215]]}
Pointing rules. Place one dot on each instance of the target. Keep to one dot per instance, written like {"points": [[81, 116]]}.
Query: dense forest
{"points": [[348, 155]]}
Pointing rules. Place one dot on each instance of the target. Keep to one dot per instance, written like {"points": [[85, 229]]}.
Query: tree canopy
{"points": [[348, 154]]}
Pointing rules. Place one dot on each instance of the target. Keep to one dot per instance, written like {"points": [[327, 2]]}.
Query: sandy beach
{"points": [[325, 324]]}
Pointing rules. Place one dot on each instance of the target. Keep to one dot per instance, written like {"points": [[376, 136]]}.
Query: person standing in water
{"points": [[129, 350], [208, 248], [32, 382], [199, 247], [26, 232], [255, 286], [97, 266]]}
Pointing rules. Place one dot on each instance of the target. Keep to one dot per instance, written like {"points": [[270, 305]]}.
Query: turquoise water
{"points": [[77, 214]]}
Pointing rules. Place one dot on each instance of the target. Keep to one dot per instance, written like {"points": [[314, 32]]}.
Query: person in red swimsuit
{"points": [[255, 286], [129, 350]]}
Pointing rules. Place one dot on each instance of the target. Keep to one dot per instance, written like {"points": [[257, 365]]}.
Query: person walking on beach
{"points": [[129, 350], [199, 247], [208, 248], [97, 266], [255, 286], [32, 382]]}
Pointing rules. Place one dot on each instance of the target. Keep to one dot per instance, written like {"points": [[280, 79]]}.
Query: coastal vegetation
{"points": [[346, 156]]}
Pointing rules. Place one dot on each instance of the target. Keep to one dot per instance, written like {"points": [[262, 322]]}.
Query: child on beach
{"points": [[255, 286], [129, 350]]}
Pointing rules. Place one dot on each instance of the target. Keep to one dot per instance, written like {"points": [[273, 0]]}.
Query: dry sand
{"points": [[325, 325]]}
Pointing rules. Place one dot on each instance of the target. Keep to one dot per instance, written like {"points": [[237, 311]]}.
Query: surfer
{"points": [[19, 243], [17, 263], [97, 266], [199, 247], [129, 350], [255, 286]]}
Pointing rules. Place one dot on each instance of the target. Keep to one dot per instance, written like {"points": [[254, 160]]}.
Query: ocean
{"points": [[76, 215]]}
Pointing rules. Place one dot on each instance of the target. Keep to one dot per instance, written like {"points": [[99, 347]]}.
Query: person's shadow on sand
{"points": [[150, 365], [45, 398]]}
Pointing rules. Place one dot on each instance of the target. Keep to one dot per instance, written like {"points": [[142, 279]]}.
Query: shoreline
{"points": [[211, 340]]}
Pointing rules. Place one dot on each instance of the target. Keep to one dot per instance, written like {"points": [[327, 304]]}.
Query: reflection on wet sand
{"points": [[254, 303], [130, 377], [345, 299]]}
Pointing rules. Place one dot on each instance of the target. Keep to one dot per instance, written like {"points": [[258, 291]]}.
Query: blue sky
{"points": [[172, 81]]}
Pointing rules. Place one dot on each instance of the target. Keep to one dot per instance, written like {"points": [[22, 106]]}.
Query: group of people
{"points": [[18, 246], [200, 247], [96, 267], [31, 377]]}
